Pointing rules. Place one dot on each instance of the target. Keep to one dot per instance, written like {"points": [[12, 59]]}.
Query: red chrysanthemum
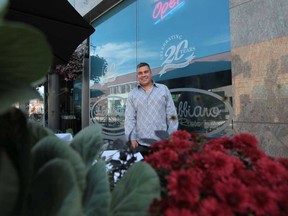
{"points": [[176, 211], [245, 140], [263, 201], [181, 134], [216, 162], [158, 206], [183, 186], [283, 162], [220, 177], [252, 154], [271, 172], [181, 145], [214, 147], [221, 164], [211, 207], [219, 144], [162, 159], [282, 197], [234, 193], [248, 177], [161, 145]]}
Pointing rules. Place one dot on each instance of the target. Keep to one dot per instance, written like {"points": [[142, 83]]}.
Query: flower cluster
{"points": [[221, 176], [74, 67]]}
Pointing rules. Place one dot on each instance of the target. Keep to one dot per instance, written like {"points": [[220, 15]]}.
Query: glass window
{"points": [[113, 56], [186, 43]]}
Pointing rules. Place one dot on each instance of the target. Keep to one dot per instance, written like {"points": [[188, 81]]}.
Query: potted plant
{"points": [[41, 174], [221, 176]]}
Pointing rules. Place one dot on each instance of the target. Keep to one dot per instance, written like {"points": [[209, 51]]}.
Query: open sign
{"points": [[161, 9]]}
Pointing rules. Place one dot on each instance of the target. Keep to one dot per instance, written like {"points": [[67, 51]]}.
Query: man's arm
{"points": [[171, 114], [130, 119]]}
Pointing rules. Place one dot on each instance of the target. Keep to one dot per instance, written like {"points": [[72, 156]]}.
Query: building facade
{"points": [[225, 63]]}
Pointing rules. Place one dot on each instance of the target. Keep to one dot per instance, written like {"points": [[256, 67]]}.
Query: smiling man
{"points": [[149, 107]]}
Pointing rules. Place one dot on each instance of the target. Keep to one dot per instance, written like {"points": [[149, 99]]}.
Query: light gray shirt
{"points": [[149, 111]]}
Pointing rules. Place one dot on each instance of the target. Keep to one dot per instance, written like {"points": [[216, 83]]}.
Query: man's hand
{"points": [[134, 144]]}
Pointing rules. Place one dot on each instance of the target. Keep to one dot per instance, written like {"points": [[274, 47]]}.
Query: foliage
{"points": [[74, 67], [118, 167], [220, 176], [25, 59], [41, 174], [99, 65]]}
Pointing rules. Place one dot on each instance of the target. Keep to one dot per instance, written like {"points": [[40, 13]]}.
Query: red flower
{"points": [[234, 193], [211, 207], [220, 177], [271, 172], [215, 162], [161, 145], [283, 162], [282, 197], [248, 177], [219, 144], [181, 134], [162, 159], [245, 141], [183, 187], [175, 211], [263, 201]]}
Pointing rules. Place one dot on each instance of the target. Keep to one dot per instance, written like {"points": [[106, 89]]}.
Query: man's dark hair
{"points": [[142, 64]]}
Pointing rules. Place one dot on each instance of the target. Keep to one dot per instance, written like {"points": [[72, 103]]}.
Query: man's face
{"points": [[144, 75]]}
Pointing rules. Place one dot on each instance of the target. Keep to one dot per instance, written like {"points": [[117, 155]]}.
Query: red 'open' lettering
{"points": [[161, 8]]}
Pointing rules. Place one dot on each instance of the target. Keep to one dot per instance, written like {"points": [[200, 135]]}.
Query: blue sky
{"points": [[120, 36]]}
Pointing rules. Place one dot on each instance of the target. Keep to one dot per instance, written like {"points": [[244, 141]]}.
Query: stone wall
{"points": [[259, 47]]}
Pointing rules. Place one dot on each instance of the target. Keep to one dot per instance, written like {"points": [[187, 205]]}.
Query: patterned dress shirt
{"points": [[147, 111]]}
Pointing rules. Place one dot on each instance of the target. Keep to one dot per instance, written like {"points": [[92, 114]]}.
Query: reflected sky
{"points": [[124, 39]]}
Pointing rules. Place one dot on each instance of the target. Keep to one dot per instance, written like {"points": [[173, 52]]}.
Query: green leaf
{"points": [[54, 190], [88, 143], [38, 132], [9, 184], [97, 196], [51, 147], [9, 93], [25, 53], [135, 192], [15, 138]]}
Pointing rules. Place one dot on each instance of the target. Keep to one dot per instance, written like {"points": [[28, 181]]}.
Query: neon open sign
{"points": [[164, 8]]}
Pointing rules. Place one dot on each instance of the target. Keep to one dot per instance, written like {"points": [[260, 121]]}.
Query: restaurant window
{"points": [[186, 43]]}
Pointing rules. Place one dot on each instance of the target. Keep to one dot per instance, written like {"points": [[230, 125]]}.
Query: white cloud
{"points": [[218, 39], [122, 54]]}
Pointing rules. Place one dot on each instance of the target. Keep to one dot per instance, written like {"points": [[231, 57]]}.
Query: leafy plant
{"points": [[41, 174], [74, 67], [119, 166]]}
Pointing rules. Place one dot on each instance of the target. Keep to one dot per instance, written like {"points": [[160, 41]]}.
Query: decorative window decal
{"points": [[202, 111], [176, 52]]}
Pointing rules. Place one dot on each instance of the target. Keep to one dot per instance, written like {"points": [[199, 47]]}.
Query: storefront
{"points": [[186, 43]]}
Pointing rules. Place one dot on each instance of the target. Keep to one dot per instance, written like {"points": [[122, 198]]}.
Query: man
{"points": [[149, 107]]}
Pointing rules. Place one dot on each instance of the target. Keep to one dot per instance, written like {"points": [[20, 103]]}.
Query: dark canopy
{"points": [[63, 26]]}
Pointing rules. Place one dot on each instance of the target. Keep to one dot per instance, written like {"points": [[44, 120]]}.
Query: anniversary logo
{"points": [[175, 53]]}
